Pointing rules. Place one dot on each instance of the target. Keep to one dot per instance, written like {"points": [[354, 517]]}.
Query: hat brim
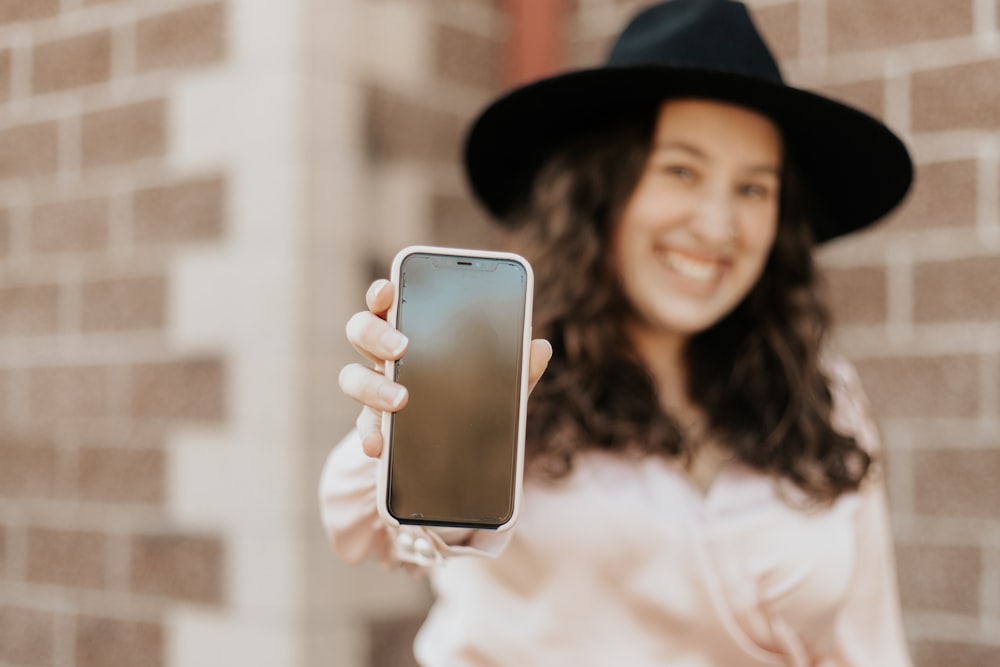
{"points": [[855, 167]]}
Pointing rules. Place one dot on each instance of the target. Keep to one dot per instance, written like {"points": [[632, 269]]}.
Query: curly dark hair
{"points": [[756, 373]]}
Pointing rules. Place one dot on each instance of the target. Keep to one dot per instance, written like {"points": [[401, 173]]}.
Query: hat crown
{"points": [[699, 34]]}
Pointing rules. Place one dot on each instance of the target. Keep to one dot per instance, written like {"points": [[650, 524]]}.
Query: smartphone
{"points": [[454, 455]]}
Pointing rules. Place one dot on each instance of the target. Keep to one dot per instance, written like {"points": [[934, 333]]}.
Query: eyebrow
{"points": [[700, 154]]}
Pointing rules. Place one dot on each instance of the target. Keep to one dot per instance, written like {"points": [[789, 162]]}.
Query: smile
{"points": [[694, 268]]}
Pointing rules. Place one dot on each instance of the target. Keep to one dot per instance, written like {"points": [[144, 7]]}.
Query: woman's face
{"points": [[696, 232]]}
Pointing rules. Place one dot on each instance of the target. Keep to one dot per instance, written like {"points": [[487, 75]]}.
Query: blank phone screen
{"points": [[453, 449]]}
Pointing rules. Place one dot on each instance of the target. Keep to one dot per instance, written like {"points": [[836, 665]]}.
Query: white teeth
{"points": [[692, 268]]}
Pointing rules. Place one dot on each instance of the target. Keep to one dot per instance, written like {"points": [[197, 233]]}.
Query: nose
{"points": [[715, 219]]}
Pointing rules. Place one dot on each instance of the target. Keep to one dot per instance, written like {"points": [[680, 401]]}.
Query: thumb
{"points": [[538, 360]]}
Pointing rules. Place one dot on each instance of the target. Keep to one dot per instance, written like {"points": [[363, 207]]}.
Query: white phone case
{"points": [[383, 479]]}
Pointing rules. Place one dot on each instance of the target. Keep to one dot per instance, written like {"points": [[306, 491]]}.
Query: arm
{"points": [[356, 532], [350, 476], [868, 630]]}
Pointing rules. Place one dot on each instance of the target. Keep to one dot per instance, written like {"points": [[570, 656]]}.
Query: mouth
{"points": [[696, 268]]}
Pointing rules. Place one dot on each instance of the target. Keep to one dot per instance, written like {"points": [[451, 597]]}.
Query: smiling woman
{"points": [[703, 483], [685, 312]]}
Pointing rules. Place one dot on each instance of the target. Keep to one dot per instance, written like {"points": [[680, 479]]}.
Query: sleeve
{"points": [[357, 532], [868, 630]]}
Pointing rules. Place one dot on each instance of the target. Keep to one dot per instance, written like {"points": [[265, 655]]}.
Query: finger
{"points": [[369, 425], [375, 338], [379, 297], [538, 360], [371, 388], [371, 444]]}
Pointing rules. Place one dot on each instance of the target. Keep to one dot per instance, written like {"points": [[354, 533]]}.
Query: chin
{"points": [[692, 322]]}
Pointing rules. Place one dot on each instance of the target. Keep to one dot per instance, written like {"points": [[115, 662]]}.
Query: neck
{"points": [[662, 353]]}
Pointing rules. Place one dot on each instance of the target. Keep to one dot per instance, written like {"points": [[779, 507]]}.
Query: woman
{"points": [[703, 482]]}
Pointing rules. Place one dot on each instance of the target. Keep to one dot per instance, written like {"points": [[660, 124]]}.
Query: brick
{"points": [[927, 653], [137, 436], [123, 304], [941, 100], [858, 25], [26, 636], [70, 226], [943, 195], [587, 51], [3, 559], [939, 578], [965, 289], [13, 11], [115, 642], [70, 392], [181, 567], [72, 62], [400, 128], [29, 310], [124, 134], [468, 58], [71, 558], [780, 26], [190, 389], [958, 483], [121, 475], [858, 296], [29, 466], [946, 386], [5, 74], [29, 151], [182, 38], [868, 96], [182, 212]]}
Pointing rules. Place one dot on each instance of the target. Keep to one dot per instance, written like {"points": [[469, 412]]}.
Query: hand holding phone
{"points": [[454, 455]]}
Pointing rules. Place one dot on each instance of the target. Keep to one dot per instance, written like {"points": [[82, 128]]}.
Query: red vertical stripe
{"points": [[535, 48]]}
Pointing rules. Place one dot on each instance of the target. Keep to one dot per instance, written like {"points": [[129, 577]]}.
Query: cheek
{"points": [[628, 232], [760, 231], [652, 203]]}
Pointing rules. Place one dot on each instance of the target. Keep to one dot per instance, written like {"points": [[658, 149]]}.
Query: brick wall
{"points": [[193, 195], [91, 387], [917, 298], [415, 120]]}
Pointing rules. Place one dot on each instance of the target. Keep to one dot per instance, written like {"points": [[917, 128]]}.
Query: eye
{"points": [[755, 190], [679, 171]]}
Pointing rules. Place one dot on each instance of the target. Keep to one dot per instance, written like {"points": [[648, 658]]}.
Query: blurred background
{"points": [[194, 195]]}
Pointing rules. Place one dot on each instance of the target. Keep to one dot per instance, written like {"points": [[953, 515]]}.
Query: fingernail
{"points": [[393, 394], [393, 341], [375, 289]]}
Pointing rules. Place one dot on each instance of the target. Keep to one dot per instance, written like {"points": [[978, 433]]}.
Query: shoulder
{"points": [[839, 371], [851, 410]]}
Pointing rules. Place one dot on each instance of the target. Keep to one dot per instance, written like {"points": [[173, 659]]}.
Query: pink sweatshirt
{"points": [[627, 562]]}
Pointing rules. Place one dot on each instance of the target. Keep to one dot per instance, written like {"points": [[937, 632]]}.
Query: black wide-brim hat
{"points": [[854, 167]]}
